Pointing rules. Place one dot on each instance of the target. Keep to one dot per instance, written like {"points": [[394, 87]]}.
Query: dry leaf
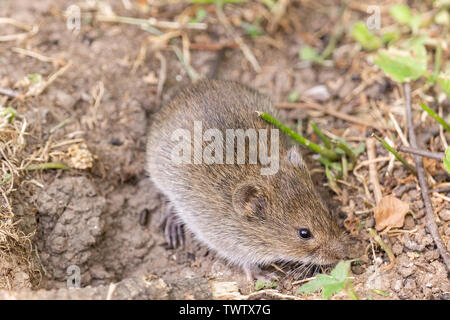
{"points": [[352, 224], [390, 213], [431, 165]]}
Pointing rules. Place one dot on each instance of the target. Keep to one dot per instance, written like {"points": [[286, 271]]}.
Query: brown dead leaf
{"points": [[352, 224], [431, 165], [390, 213], [409, 179]]}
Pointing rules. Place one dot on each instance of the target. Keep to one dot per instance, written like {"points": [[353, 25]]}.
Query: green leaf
{"points": [[401, 13], [35, 77], [259, 285], [365, 37], [319, 282], [447, 159], [340, 272], [390, 37], [253, 29], [262, 285], [415, 23], [5, 178], [417, 46], [309, 54], [403, 65], [359, 149], [331, 284], [8, 112], [333, 288]]}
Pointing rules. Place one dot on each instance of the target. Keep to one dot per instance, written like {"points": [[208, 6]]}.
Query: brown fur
{"points": [[248, 218]]}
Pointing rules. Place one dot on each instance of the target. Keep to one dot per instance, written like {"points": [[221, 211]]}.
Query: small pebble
{"points": [[318, 93], [410, 284], [397, 248], [445, 215], [64, 100], [427, 240], [143, 217], [370, 222], [406, 271], [414, 246], [447, 231], [397, 286], [409, 223], [431, 255]]}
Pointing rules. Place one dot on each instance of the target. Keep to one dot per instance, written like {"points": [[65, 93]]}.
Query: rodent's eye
{"points": [[304, 234]]}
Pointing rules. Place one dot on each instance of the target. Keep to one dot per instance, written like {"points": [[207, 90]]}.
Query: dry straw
{"points": [[17, 258]]}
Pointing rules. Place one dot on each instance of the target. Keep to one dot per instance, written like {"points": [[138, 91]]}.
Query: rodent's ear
{"points": [[250, 199], [294, 157]]}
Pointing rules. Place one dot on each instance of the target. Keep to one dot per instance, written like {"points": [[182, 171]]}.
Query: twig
{"points": [[278, 11], [399, 130], [33, 54], [111, 289], [9, 93], [385, 247], [213, 46], [303, 280], [61, 124], [270, 292], [395, 153], [442, 189], [157, 42], [189, 69], [373, 176], [337, 114], [423, 153], [37, 90], [152, 24], [244, 48], [431, 223], [162, 75], [31, 29]]}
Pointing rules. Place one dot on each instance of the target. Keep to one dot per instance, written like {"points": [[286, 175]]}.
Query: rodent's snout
{"points": [[332, 252], [335, 250]]}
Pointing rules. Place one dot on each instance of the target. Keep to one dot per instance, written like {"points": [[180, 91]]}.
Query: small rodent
{"points": [[248, 218]]}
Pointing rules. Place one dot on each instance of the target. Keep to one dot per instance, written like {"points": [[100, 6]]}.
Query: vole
{"points": [[249, 218]]}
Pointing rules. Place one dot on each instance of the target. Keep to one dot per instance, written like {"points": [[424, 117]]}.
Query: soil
{"points": [[104, 219]]}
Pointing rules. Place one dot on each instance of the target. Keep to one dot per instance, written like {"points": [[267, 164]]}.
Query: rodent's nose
{"points": [[338, 250]]}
